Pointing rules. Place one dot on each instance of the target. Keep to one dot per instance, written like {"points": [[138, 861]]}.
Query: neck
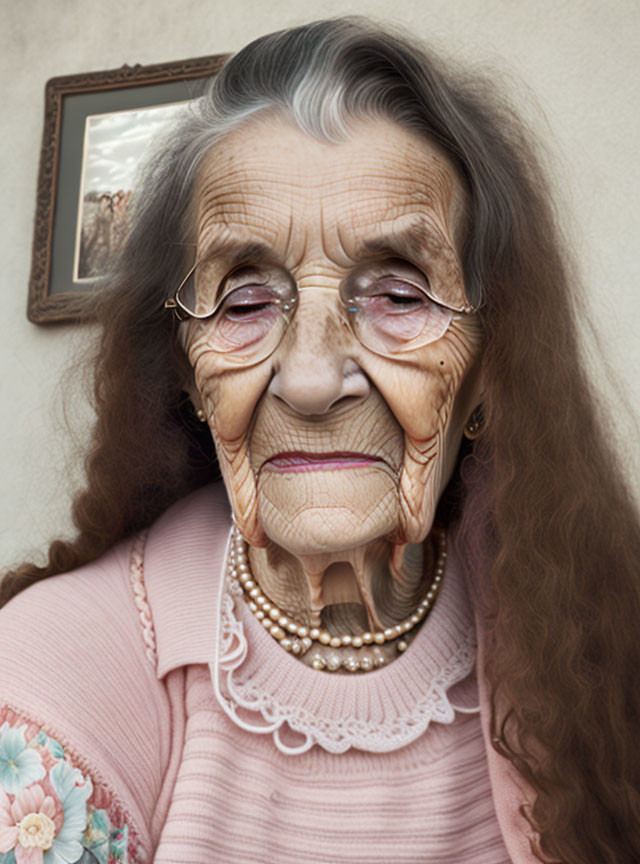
{"points": [[368, 588]]}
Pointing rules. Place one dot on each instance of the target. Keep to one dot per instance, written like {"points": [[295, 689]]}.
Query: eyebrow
{"points": [[239, 253], [235, 255], [430, 250], [418, 242]]}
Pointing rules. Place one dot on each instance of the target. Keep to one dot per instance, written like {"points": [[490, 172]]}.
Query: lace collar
{"points": [[267, 691]]}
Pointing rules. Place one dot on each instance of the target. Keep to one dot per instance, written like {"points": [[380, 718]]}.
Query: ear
{"points": [[195, 399], [475, 385], [189, 386], [477, 415], [193, 393]]}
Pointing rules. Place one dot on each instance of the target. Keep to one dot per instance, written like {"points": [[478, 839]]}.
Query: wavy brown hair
{"points": [[547, 523]]}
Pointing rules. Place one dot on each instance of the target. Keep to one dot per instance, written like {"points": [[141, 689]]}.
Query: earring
{"points": [[475, 423], [202, 417]]}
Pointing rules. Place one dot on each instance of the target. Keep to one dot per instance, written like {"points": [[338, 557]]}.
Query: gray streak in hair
{"points": [[323, 76]]}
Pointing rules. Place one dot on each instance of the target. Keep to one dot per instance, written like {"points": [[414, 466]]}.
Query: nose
{"points": [[314, 369]]}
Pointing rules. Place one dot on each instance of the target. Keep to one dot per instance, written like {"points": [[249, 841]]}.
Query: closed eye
{"points": [[248, 301]]}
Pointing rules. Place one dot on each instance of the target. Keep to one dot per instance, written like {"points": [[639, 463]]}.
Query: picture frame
{"points": [[94, 136]]}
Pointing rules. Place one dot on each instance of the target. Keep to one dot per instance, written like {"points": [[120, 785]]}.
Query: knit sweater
{"points": [[145, 715]]}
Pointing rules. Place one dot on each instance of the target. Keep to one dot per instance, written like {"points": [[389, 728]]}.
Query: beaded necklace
{"points": [[298, 638]]}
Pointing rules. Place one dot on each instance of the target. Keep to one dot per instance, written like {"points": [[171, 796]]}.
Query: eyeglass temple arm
{"points": [[171, 304]]}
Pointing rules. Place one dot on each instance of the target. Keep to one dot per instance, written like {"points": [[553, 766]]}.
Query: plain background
{"points": [[571, 67]]}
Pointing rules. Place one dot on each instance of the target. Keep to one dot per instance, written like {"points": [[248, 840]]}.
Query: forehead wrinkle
{"points": [[273, 193], [237, 210], [248, 167], [429, 183], [411, 181]]}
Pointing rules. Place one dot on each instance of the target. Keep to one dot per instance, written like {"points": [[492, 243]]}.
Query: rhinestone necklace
{"points": [[298, 638]]}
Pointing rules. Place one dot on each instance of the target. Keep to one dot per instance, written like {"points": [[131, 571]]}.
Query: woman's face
{"points": [[326, 445]]}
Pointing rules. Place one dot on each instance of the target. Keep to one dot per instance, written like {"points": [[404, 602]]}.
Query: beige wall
{"points": [[573, 66]]}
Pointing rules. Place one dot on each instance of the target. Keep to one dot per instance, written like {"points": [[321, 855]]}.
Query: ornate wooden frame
{"points": [[44, 307]]}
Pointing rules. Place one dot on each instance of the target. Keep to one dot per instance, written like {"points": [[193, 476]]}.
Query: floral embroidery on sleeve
{"points": [[50, 813]]}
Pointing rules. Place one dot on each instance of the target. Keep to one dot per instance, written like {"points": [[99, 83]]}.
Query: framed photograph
{"points": [[97, 130]]}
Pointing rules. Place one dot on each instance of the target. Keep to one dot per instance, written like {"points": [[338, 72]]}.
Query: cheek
{"points": [[431, 401], [430, 394], [229, 399], [423, 406], [419, 398], [229, 395]]}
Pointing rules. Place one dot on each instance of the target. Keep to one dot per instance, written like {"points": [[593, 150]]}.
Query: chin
{"points": [[327, 511], [324, 530]]}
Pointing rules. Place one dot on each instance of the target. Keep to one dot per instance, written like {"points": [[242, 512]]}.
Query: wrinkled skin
{"points": [[347, 542]]}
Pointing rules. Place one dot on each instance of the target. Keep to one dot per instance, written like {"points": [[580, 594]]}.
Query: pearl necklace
{"points": [[298, 638]]}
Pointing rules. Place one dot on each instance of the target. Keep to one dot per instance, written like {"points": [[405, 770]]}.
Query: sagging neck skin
{"points": [[368, 588]]}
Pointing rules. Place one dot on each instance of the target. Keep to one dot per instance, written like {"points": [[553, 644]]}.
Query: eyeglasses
{"points": [[388, 305]]}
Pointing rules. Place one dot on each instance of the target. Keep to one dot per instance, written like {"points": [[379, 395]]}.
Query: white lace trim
{"points": [[269, 716]]}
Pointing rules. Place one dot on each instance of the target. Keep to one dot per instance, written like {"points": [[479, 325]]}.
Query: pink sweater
{"points": [[146, 716]]}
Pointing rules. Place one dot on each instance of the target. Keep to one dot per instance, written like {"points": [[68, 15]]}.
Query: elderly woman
{"points": [[412, 634]]}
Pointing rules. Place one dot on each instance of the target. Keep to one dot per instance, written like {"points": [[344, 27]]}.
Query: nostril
{"points": [[316, 388], [343, 401], [355, 381]]}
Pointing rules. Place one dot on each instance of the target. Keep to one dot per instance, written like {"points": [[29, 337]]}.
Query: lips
{"points": [[298, 461]]}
